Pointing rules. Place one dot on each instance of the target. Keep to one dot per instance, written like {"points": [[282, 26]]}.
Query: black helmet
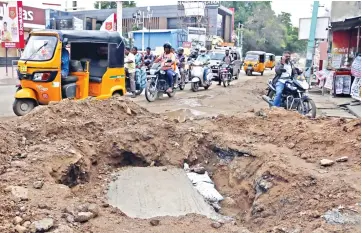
{"points": [[167, 45], [180, 49]]}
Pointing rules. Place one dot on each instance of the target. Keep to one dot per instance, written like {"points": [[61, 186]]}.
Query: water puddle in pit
{"points": [[148, 192]]}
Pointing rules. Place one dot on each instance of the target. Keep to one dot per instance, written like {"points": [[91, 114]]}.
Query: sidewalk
{"points": [[10, 78], [335, 107]]}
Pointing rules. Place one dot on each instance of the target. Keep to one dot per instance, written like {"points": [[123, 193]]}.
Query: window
{"points": [[74, 5], [40, 48], [172, 23]]}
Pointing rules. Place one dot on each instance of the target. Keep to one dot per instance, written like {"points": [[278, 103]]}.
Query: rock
{"points": [[20, 229], [17, 220], [70, 218], [38, 184], [326, 162], [43, 206], [43, 225], [82, 208], [228, 201], [22, 208], [319, 230], [63, 229], [26, 224], [342, 159], [18, 164], [105, 205], [198, 170], [216, 225], [18, 192], [155, 222], [83, 216], [164, 169], [94, 209]]}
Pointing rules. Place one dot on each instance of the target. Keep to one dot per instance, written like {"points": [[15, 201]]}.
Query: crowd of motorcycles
{"points": [[295, 95], [192, 72]]}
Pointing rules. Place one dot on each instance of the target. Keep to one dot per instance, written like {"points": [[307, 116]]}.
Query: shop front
{"points": [[344, 57], [32, 19]]}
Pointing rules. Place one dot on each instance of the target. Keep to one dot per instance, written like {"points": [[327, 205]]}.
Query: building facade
{"points": [[219, 19]]}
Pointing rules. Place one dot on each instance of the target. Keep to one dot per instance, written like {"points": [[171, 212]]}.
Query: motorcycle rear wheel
{"points": [[224, 81]]}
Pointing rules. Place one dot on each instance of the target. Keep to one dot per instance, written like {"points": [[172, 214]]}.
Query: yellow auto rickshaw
{"points": [[254, 62], [96, 67], [270, 61]]}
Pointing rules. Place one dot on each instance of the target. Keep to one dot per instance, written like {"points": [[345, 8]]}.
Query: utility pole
{"points": [[119, 17], [311, 41], [149, 16]]}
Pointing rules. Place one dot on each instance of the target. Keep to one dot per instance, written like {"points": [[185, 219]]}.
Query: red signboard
{"points": [[31, 15], [12, 28], [187, 44]]}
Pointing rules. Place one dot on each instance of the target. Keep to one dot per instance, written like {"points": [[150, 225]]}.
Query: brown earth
{"points": [[270, 177]]}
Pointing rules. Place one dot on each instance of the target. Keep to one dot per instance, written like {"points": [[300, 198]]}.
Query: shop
{"points": [[33, 19]]}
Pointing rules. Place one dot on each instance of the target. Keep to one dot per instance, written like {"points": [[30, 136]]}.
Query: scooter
{"points": [[197, 76]]}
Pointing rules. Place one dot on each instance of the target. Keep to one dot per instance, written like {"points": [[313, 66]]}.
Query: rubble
{"points": [[76, 157]]}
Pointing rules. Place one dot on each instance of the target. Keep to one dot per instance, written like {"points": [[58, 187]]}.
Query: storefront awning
{"points": [[347, 24]]}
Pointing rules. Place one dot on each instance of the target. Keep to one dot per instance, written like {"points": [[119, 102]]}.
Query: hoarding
{"points": [[12, 25], [110, 24], [197, 36], [321, 31]]}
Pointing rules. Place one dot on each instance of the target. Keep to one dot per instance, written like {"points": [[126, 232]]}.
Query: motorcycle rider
{"points": [[148, 57], [227, 60], [204, 59], [180, 61], [284, 71], [167, 66], [130, 65]]}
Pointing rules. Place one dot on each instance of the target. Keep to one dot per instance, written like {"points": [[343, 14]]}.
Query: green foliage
{"points": [[113, 5], [263, 30]]}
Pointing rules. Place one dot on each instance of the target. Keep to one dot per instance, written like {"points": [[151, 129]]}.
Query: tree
{"points": [[293, 44], [113, 5]]}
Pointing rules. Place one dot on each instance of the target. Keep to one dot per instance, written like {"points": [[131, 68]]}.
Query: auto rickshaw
{"points": [[270, 61], [254, 62], [96, 67]]}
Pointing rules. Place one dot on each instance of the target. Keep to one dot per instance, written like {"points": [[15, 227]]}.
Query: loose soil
{"points": [[265, 164]]}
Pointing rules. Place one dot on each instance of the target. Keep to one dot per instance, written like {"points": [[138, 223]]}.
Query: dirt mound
{"points": [[266, 165]]}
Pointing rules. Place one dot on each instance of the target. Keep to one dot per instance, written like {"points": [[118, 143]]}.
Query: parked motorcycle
{"points": [[157, 84], [225, 74], [197, 76], [294, 96]]}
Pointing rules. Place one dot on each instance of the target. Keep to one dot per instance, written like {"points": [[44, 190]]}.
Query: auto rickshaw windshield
{"points": [[251, 57], [39, 48]]}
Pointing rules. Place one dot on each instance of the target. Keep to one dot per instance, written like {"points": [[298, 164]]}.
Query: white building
{"points": [[74, 5]]}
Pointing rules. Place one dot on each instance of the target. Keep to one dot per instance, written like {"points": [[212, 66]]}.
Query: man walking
{"points": [[130, 65]]}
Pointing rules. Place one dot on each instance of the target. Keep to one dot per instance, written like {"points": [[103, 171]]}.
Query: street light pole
{"points": [[119, 17], [143, 31], [311, 42]]}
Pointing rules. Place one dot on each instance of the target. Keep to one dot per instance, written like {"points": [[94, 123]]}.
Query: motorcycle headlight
{"points": [[152, 72], [162, 72]]}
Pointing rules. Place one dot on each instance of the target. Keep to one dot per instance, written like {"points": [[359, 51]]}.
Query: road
{"points": [[241, 96]]}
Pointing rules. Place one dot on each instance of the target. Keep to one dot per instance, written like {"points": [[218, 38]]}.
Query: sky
{"points": [[297, 8]]}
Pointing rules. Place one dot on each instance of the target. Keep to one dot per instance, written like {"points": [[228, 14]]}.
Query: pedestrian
{"points": [[130, 66]]}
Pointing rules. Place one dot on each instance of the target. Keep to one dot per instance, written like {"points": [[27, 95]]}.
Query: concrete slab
{"points": [[355, 110], [151, 192], [335, 113]]}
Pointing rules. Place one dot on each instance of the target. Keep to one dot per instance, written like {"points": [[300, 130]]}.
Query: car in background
{"points": [[216, 57]]}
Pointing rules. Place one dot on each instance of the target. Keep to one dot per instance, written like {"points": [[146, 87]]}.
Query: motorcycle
{"points": [[157, 84], [294, 96], [197, 76], [225, 74]]}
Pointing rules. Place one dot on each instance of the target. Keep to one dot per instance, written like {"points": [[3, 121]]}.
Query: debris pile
{"points": [[57, 162]]}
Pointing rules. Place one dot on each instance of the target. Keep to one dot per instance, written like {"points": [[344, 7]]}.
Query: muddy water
{"points": [[154, 191], [181, 115]]}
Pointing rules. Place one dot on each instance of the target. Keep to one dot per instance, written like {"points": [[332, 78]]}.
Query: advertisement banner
{"points": [[344, 47], [197, 36], [12, 25]]}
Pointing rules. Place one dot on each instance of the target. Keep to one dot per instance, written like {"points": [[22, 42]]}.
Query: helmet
{"points": [[180, 49], [203, 49], [167, 45]]}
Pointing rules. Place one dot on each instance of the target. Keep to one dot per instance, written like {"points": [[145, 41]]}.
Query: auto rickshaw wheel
{"points": [[237, 75], [262, 73], [21, 107]]}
